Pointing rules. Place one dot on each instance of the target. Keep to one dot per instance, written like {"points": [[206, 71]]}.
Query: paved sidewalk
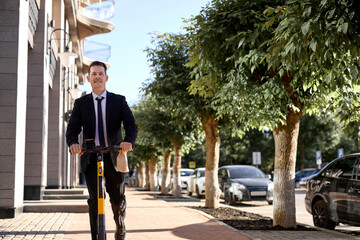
{"points": [[147, 218], [36, 226]]}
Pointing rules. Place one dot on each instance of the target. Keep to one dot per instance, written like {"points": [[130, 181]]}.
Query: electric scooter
{"points": [[99, 150]]}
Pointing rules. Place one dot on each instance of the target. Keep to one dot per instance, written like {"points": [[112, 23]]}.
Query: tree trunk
{"points": [[137, 176], [286, 141], [212, 139], [152, 173], [147, 174], [140, 171], [165, 173], [176, 169]]}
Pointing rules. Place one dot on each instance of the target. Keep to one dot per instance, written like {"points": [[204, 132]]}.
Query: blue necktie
{"points": [[100, 123]]}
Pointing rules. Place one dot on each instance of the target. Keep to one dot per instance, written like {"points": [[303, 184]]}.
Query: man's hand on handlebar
{"points": [[75, 149], [126, 146]]}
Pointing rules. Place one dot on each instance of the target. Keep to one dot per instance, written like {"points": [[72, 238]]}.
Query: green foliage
{"points": [[316, 134], [346, 142], [197, 154], [153, 124], [168, 90], [150, 140], [318, 42], [259, 60], [142, 153], [227, 45], [235, 150], [171, 79]]}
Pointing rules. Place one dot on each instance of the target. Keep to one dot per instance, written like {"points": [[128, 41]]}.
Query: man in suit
{"points": [[99, 116]]}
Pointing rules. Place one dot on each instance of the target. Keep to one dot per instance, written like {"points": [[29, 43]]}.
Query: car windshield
{"points": [[185, 173], [246, 173], [303, 173], [202, 173]]}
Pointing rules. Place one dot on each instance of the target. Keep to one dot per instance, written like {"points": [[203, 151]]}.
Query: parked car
{"points": [[302, 173], [197, 183], [131, 178], [184, 177], [244, 183], [303, 180], [159, 178], [333, 195]]}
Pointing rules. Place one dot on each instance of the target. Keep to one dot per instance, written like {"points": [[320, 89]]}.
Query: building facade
{"points": [[43, 60]]}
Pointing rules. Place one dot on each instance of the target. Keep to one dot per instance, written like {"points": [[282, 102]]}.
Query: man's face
{"points": [[97, 79]]}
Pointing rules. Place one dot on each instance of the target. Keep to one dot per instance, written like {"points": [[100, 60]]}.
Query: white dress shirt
{"points": [[103, 108]]}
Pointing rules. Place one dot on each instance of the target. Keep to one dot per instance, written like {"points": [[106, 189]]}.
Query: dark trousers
{"points": [[115, 187]]}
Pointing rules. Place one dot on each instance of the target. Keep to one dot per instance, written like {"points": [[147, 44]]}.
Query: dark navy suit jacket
{"points": [[83, 119]]}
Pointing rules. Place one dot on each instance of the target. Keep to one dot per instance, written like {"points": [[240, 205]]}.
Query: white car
{"points": [[185, 177], [197, 183]]}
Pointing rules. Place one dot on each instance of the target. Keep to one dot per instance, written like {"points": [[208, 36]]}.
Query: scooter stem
{"points": [[101, 195]]}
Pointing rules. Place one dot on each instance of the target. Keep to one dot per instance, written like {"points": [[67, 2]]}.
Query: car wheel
{"points": [[321, 215], [189, 193], [270, 202], [198, 192], [228, 198]]}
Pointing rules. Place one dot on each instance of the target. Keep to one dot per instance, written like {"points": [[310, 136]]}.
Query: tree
{"points": [[170, 87], [147, 146], [318, 46], [223, 36], [167, 60], [297, 57], [156, 131]]}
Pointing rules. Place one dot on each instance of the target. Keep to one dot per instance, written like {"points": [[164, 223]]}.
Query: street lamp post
{"points": [[67, 58]]}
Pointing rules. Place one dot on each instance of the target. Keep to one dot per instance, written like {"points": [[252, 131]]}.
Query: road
{"points": [[263, 208], [302, 216]]}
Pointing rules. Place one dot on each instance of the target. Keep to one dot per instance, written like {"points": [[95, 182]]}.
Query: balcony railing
{"points": [[33, 19], [103, 10], [97, 51]]}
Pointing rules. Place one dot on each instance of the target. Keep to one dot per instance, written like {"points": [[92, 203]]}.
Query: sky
{"points": [[134, 21]]}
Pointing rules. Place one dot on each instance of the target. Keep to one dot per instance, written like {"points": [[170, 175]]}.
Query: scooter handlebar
{"points": [[100, 149]]}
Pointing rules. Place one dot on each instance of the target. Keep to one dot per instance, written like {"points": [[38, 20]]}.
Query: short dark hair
{"points": [[97, 63]]}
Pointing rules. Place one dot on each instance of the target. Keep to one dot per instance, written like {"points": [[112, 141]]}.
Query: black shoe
{"points": [[120, 236]]}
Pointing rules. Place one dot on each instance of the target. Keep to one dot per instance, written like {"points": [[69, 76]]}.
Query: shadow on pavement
{"points": [[206, 231]]}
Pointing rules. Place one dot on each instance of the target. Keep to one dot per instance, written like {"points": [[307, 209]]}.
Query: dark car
{"points": [[333, 195], [303, 180], [244, 183], [301, 174]]}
